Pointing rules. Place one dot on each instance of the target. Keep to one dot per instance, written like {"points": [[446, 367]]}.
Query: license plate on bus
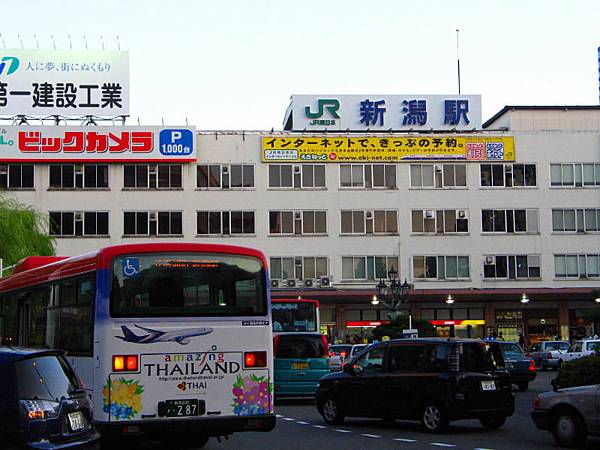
{"points": [[76, 420], [181, 408], [300, 366], [488, 386]]}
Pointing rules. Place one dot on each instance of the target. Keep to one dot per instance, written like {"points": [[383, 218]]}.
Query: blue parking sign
{"points": [[176, 142]]}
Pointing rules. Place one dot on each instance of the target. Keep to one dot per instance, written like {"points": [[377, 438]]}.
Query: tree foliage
{"points": [[394, 328], [579, 372], [23, 232]]}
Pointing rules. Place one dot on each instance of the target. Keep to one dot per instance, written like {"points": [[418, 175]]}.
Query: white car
{"points": [[579, 349]]}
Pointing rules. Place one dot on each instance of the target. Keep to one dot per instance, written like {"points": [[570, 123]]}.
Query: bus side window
{"points": [[8, 319], [33, 306]]}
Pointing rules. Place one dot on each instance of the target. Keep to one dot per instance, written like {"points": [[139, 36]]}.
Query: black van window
{"points": [[477, 357], [407, 358], [372, 361], [304, 347], [45, 378]]}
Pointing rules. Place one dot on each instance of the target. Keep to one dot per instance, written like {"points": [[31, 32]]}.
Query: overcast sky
{"points": [[233, 64]]}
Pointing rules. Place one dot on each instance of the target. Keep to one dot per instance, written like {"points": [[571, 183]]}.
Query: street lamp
{"points": [[524, 298], [392, 294], [449, 299]]}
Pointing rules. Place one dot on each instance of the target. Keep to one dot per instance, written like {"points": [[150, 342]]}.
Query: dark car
{"points": [[43, 405], [520, 365], [432, 380]]}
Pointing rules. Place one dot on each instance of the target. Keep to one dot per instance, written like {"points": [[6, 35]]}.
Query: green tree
{"points": [[394, 328], [23, 232]]}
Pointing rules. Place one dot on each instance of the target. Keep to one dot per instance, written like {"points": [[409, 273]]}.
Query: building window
{"points": [[511, 267], [441, 221], [508, 175], [363, 268], [301, 176], [368, 176], [576, 220], [152, 223], [153, 176], [509, 221], [16, 176], [224, 222], [298, 222], [577, 266], [78, 176], [440, 267], [575, 175], [369, 222], [300, 267], [438, 175], [225, 176], [78, 223]]}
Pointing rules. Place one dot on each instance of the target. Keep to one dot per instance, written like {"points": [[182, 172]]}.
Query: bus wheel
{"points": [[189, 440]]}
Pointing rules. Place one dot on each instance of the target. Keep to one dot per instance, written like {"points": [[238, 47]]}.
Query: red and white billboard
{"points": [[96, 144]]}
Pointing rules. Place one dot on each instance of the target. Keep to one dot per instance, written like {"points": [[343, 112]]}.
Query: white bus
{"points": [[170, 339]]}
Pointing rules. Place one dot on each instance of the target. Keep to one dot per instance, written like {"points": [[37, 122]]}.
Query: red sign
{"points": [[366, 323], [87, 141]]}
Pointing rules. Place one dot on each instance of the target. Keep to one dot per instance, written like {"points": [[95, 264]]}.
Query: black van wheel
{"points": [[523, 386], [493, 423], [332, 414], [568, 429], [434, 417]]}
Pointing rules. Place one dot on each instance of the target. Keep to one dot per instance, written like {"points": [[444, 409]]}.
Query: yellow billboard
{"points": [[324, 148]]}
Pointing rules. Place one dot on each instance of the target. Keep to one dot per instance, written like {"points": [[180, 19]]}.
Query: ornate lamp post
{"points": [[392, 294]]}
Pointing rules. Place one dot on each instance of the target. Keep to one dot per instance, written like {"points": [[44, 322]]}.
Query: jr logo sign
{"points": [[330, 104]]}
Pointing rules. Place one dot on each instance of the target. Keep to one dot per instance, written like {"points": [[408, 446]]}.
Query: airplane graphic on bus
{"points": [[181, 336]]}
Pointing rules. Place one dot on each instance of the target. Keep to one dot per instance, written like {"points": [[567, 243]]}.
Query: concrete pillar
{"points": [[563, 320]]}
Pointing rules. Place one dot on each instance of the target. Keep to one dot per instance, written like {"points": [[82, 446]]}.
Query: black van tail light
{"points": [[255, 359], [125, 363], [532, 365]]}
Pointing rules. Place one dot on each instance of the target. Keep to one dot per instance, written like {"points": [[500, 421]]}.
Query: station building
{"points": [[485, 232]]}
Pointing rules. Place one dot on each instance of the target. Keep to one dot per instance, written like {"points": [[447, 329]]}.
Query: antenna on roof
{"points": [[53, 42], [118, 43], [85, 42], [458, 60], [4, 43]]}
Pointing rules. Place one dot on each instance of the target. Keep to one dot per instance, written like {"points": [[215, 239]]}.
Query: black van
{"points": [[432, 380], [43, 405]]}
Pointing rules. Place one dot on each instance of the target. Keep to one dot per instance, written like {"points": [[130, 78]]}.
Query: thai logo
{"points": [[251, 395], [10, 63], [330, 104], [180, 336], [182, 386], [122, 398]]}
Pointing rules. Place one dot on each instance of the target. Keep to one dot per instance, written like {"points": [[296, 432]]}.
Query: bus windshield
{"points": [[294, 316], [187, 284]]}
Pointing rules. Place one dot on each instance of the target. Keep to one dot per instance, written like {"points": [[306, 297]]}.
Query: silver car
{"points": [[571, 414]]}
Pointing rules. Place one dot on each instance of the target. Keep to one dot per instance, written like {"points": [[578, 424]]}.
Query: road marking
{"points": [[302, 423], [343, 431], [370, 435], [278, 415], [441, 444], [288, 419], [481, 448], [320, 427], [405, 440]]}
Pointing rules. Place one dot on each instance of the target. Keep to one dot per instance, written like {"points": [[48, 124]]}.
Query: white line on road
{"points": [[320, 427], [441, 444], [370, 435], [302, 423], [278, 415], [343, 431], [405, 440], [481, 448], [288, 419]]}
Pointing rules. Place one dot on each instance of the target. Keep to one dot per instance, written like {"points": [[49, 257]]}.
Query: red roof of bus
{"points": [[39, 269]]}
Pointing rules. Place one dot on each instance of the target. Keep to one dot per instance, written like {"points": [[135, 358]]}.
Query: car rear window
{"points": [[593, 346], [478, 357], [45, 378], [340, 348], [552, 346], [511, 351], [303, 347]]}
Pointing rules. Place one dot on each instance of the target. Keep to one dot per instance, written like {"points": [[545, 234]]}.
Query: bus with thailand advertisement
{"points": [[171, 340], [301, 351]]}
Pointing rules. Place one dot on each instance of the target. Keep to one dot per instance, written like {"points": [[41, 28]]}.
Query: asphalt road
{"points": [[300, 427]]}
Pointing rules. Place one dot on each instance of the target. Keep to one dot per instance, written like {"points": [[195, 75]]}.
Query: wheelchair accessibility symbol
{"points": [[131, 267]]}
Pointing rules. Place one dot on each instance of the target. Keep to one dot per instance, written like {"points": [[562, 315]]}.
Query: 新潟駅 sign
{"points": [[327, 148], [64, 82], [96, 144]]}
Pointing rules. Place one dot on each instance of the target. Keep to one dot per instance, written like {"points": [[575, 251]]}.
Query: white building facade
{"points": [[484, 232]]}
